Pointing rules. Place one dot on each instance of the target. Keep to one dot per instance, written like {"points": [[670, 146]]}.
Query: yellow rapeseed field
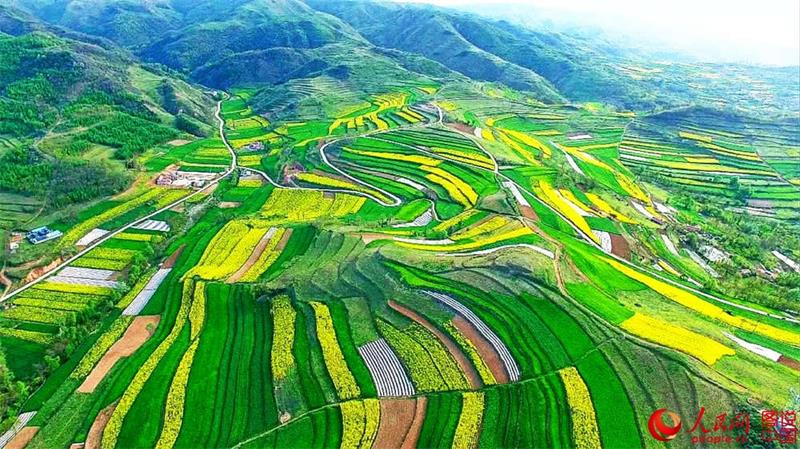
{"points": [[584, 421], [554, 199], [697, 304], [458, 189], [607, 208], [343, 380], [707, 350]]}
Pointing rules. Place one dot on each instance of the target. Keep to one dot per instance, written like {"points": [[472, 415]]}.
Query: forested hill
{"points": [[62, 99]]}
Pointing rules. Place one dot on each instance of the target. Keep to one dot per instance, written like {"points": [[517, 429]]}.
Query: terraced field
{"points": [[375, 277]]}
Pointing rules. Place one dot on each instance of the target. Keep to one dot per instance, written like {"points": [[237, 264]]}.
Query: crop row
{"points": [[228, 250], [360, 423], [305, 205], [114, 425], [430, 366], [386, 369], [345, 383], [676, 337]]}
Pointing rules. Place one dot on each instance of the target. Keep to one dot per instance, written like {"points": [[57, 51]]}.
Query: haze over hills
{"points": [[278, 40]]}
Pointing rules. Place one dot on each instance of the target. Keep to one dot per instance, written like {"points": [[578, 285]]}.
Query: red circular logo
{"points": [[659, 429]]}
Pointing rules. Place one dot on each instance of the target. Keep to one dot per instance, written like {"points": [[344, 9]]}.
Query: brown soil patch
{"points": [[528, 212], [284, 240], [228, 204], [790, 362], [763, 204], [328, 195], [5, 280], [22, 438], [397, 416], [412, 436], [77, 445], [369, 237], [485, 349], [134, 337], [170, 261], [257, 251], [95, 435], [178, 142], [462, 127], [620, 246], [38, 272], [466, 367]]}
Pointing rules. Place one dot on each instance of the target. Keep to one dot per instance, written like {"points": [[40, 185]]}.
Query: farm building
{"points": [[43, 234]]}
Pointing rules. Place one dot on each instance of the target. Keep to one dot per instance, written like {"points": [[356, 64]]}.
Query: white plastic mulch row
{"points": [[668, 243], [423, 220], [91, 236], [22, 420], [508, 360], [411, 183], [664, 209], [574, 166], [83, 281], [605, 240], [477, 132], [633, 158], [517, 194], [785, 259], [153, 225], [86, 273], [639, 208], [143, 297], [756, 349], [387, 371], [699, 261]]}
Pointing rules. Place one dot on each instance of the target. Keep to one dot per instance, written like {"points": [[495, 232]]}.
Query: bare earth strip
{"points": [[257, 251], [412, 436], [170, 262], [22, 438], [620, 247], [397, 416], [528, 212], [485, 349], [284, 240], [790, 362], [452, 348], [133, 339], [95, 435]]}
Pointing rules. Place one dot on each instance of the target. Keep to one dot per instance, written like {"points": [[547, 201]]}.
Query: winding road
{"points": [[110, 235]]}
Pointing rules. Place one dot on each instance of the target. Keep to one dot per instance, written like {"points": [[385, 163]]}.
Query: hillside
{"points": [[74, 114]]}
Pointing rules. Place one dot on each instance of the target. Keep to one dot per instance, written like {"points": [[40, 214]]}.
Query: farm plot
{"points": [[329, 181], [429, 364], [446, 144], [32, 322], [461, 183], [17, 209], [509, 363], [229, 250], [383, 112], [117, 213], [384, 366], [308, 205]]}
